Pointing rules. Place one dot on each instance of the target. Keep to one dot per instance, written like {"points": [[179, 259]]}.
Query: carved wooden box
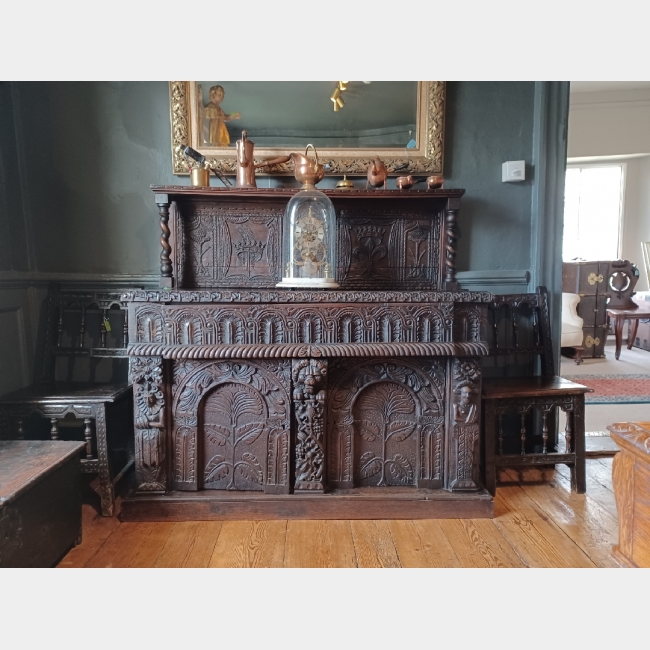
{"points": [[257, 402]]}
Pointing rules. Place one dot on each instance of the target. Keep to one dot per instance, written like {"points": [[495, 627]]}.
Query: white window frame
{"points": [[621, 204]]}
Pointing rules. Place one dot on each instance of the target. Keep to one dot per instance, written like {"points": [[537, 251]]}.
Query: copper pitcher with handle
{"points": [[246, 166], [307, 171]]}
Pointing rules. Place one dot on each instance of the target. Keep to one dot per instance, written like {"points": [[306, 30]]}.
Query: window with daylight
{"points": [[593, 208]]}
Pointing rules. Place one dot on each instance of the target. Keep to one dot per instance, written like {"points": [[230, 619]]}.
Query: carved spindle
{"points": [[82, 327], [568, 431], [54, 431], [515, 329], [125, 341], [88, 435], [59, 329], [501, 434], [103, 330], [20, 431], [166, 278], [450, 247], [536, 332], [522, 431], [495, 327], [544, 430]]}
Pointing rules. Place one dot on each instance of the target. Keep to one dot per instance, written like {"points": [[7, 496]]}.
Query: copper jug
{"points": [[246, 165], [377, 173], [307, 171]]}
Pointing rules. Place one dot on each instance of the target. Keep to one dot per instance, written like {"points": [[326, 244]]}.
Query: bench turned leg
{"points": [[107, 493], [54, 431], [490, 450], [578, 470]]}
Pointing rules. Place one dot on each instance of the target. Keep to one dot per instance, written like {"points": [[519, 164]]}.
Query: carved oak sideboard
{"points": [[254, 402]]}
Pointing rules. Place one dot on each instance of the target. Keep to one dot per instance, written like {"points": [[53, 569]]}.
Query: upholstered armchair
{"points": [[571, 327]]}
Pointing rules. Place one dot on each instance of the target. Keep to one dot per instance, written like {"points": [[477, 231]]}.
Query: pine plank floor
{"points": [[538, 522]]}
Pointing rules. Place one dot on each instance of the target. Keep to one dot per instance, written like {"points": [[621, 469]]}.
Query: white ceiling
{"points": [[595, 86]]}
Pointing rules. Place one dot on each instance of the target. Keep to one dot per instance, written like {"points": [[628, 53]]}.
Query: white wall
{"points": [[614, 123], [614, 126]]}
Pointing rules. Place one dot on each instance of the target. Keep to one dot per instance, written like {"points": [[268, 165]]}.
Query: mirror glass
{"points": [[329, 114]]}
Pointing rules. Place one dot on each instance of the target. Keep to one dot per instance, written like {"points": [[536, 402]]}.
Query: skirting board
{"points": [[365, 503]]}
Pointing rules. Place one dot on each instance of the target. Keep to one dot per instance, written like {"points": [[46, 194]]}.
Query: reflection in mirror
{"points": [[351, 123], [329, 114]]}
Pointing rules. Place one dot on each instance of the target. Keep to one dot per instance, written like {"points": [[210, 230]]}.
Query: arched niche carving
{"points": [[386, 424], [231, 426]]}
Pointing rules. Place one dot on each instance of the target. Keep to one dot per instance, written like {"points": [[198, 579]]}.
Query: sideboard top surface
{"points": [[288, 192]]}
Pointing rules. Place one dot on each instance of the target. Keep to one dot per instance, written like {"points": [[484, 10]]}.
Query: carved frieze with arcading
{"points": [[298, 297], [386, 423], [190, 325], [231, 425], [146, 375]]}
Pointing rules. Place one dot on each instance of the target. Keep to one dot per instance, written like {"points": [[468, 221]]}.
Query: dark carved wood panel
{"points": [[231, 425], [386, 423], [221, 240], [228, 245], [378, 249]]}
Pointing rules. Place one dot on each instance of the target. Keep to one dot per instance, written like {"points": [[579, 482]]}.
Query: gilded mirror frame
{"points": [[426, 158]]}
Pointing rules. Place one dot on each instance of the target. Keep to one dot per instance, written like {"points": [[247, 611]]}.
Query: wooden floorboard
{"points": [[539, 522]]}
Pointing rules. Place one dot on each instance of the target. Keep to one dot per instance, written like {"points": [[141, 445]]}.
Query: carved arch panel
{"points": [[386, 423], [231, 425]]}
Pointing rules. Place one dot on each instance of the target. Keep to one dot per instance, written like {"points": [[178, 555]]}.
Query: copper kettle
{"points": [[307, 171]]}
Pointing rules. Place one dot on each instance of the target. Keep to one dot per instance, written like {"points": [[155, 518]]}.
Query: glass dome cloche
{"points": [[309, 231]]}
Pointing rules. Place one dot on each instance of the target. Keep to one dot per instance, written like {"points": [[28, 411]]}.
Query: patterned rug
{"points": [[615, 389]]}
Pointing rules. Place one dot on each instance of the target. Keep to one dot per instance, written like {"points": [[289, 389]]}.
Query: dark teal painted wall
{"points": [[91, 150]]}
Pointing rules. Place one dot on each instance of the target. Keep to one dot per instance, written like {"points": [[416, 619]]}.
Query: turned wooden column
{"points": [[166, 274], [450, 239]]}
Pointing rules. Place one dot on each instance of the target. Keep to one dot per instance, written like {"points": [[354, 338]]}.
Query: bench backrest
{"points": [[519, 336], [86, 335]]}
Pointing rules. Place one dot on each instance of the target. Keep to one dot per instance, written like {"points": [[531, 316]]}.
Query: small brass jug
{"points": [[200, 177]]}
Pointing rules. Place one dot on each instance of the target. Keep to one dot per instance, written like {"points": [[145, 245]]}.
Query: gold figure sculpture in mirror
{"points": [[215, 115]]}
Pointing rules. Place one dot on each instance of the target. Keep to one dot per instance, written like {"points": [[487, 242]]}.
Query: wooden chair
{"points": [[84, 376], [520, 410]]}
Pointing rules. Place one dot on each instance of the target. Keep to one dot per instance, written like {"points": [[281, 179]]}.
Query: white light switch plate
{"points": [[513, 171]]}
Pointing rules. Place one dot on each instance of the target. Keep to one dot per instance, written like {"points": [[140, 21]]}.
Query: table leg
{"points": [[618, 331], [634, 325]]}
